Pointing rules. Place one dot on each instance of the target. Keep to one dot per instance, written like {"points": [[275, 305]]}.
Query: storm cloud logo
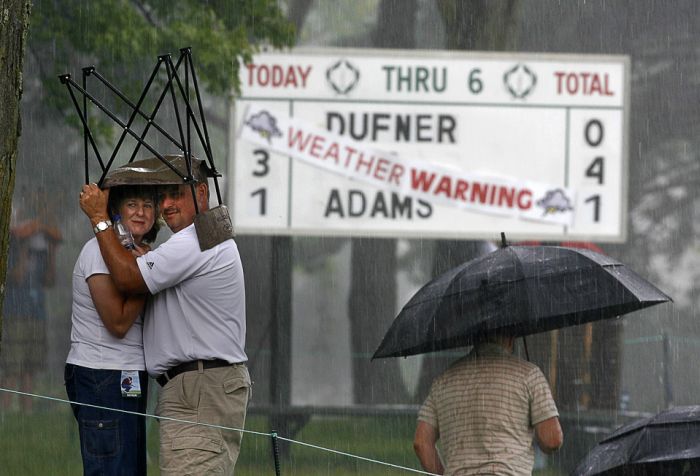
{"points": [[342, 76], [264, 124], [555, 201], [520, 81]]}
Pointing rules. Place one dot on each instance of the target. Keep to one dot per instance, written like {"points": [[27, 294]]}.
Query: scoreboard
{"points": [[446, 145]]}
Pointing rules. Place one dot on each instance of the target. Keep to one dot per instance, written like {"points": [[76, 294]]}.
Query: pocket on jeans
{"points": [[101, 437]]}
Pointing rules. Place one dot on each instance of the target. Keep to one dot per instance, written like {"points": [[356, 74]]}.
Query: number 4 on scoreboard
{"points": [[596, 169]]}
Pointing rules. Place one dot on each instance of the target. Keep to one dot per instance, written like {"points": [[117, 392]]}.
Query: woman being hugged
{"points": [[105, 366]]}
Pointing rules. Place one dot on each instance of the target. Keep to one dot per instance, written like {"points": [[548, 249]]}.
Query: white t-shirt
{"points": [[198, 306], [92, 345]]}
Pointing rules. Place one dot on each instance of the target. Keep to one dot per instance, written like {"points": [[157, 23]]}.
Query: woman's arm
{"points": [[117, 312]]}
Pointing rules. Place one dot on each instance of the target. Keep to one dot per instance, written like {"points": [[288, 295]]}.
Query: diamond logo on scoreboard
{"points": [[520, 81], [342, 76]]}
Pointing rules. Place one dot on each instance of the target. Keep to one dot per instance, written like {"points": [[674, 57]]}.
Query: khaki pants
{"points": [[216, 396]]}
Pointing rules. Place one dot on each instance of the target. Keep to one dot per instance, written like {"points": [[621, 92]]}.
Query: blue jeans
{"points": [[111, 443]]}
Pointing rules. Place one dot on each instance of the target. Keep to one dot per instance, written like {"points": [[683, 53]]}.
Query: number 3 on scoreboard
{"points": [[261, 170]]}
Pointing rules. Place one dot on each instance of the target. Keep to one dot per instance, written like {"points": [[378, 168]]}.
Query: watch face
{"points": [[102, 226]]}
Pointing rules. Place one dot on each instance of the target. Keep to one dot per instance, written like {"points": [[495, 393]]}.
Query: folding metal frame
{"points": [[177, 89]]}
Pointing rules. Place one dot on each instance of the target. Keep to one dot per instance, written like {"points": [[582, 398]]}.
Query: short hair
{"points": [[118, 194]]}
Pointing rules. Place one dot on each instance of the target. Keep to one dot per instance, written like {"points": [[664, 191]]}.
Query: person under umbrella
{"points": [[512, 292], [485, 409], [107, 346]]}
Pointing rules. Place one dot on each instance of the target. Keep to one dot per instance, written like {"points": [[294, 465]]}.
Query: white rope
{"points": [[355, 456], [226, 428]]}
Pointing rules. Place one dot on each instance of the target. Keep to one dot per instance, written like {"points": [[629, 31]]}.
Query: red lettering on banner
{"points": [[524, 199], [488, 194], [316, 146], [421, 181], [479, 192], [461, 190], [297, 139], [332, 152], [351, 151], [444, 187], [320, 147], [381, 169], [396, 173], [361, 162], [506, 194]]}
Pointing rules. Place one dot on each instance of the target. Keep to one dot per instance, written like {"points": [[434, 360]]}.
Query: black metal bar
{"points": [[275, 452], [172, 74], [134, 112], [66, 79], [85, 136], [184, 91], [190, 115], [72, 83], [207, 143], [205, 140], [188, 120], [188, 158], [135, 107], [188, 109], [187, 103], [153, 114]]}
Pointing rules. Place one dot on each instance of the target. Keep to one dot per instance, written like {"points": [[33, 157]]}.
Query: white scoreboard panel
{"points": [[558, 119]]}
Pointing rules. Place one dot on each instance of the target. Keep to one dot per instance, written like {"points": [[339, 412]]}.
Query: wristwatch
{"points": [[102, 226]]}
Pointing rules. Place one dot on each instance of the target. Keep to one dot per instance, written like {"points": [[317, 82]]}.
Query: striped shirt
{"points": [[484, 408]]}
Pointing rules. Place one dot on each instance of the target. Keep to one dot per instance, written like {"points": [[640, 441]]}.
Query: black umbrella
{"points": [[520, 290], [667, 443]]}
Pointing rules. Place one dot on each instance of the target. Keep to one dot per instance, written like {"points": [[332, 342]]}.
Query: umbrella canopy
{"points": [[667, 443], [519, 290]]}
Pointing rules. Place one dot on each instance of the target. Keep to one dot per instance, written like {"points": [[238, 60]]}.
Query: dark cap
{"points": [[154, 172]]}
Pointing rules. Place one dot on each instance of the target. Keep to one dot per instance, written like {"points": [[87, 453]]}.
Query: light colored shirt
{"points": [[197, 310], [485, 407], [92, 345]]}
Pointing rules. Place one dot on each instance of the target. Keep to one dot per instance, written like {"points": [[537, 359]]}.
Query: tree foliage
{"points": [[123, 39]]}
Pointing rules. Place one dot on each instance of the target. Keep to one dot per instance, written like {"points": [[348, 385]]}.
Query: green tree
{"points": [[123, 38]]}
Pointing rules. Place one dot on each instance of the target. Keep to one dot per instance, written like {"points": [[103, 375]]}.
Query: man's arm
{"points": [[116, 311], [424, 446], [549, 435], [120, 262]]}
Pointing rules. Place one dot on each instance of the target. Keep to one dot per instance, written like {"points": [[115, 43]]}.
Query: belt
{"points": [[188, 367]]}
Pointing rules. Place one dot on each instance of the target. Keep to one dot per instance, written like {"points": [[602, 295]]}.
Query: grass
{"points": [[46, 442]]}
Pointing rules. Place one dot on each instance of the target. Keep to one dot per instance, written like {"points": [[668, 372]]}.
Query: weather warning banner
{"points": [[422, 179]]}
